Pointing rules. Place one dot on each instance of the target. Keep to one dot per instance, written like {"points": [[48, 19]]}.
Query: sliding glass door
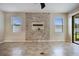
{"points": [[75, 28]]}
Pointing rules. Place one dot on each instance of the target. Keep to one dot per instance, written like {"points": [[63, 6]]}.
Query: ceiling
{"points": [[35, 7]]}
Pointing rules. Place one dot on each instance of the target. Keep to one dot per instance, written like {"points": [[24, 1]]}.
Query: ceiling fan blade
{"points": [[42, 5]]}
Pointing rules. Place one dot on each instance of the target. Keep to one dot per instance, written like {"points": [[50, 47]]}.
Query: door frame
{"points": [[72, 29]]}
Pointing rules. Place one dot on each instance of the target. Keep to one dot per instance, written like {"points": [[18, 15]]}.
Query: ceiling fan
{"points": [[42, 5]]}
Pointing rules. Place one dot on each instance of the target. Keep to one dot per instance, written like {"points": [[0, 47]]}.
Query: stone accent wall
{"points": [[1, 27], [36, 34]]}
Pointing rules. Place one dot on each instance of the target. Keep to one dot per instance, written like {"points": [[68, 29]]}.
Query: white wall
{"points": [[11, 36], [20, 37], [58, 36]]}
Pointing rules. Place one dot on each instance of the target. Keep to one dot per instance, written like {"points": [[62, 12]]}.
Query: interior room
{"points": [[39, 29]]}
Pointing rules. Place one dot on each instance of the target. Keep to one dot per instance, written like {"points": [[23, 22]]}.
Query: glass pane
{"points": [[76, 20], [76, 29], [58, 20], [16, 23], [58, 30]]}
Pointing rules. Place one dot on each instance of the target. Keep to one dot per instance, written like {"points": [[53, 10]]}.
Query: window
{"points": [[16, 23], [58, 24]]}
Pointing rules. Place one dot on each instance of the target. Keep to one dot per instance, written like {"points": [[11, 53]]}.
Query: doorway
{"points": [[75, 29]]}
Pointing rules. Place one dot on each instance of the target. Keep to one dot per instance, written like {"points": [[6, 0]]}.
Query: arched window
{"points": [[58, 21], [16, 23]]}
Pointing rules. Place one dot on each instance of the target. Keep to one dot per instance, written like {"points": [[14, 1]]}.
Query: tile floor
{"points": [[39, 49]]}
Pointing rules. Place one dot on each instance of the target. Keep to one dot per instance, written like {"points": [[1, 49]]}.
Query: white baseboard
{"points": [[36, 41]]}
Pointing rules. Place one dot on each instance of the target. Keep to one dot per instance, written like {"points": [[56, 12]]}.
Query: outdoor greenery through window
{"points": [[76, 30]]}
